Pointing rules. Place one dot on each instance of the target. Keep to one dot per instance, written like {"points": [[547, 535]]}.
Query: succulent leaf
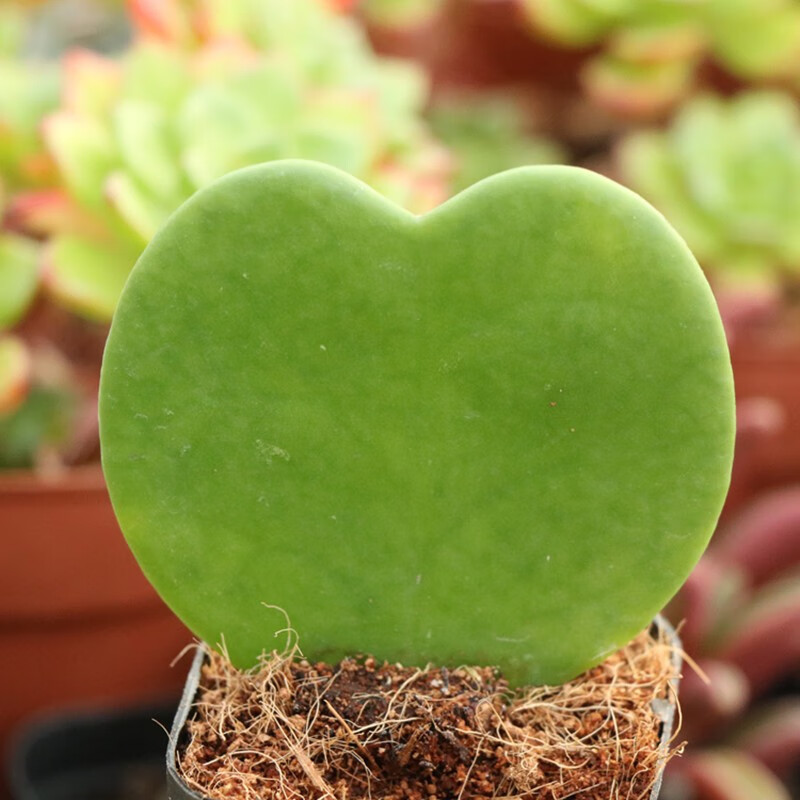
{"points": [[394, 409]]}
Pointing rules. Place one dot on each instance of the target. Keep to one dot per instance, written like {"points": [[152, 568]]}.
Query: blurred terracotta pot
{"points": [[79, 623]]}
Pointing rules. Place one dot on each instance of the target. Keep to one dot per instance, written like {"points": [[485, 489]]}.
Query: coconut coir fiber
{"points": [[293, 730]]}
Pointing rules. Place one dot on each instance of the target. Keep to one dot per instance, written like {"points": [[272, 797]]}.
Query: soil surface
{"points": [[364, 729]]}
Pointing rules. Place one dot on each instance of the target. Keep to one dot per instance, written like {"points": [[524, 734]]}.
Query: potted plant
{"points": [[499, 433]]}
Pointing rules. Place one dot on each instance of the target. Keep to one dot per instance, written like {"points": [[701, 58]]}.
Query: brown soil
{"points": [[363, 729]]}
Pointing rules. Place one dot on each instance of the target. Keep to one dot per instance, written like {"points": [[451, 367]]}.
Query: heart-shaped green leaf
{"points": [[497, 433]]}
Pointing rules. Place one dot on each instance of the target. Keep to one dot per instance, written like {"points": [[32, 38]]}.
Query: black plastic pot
{"points": [[104, 755], [178, 790]]}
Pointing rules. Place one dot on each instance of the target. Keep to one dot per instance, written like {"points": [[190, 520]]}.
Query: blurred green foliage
{"points": [[651, 50]]}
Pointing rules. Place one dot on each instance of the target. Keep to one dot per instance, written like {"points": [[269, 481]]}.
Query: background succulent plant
{"points": [[652, 50], [727, 174], [36, 405]]}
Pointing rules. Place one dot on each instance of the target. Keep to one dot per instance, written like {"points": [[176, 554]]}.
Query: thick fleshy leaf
{"points": [[85, 275], [18, 277], [497, 433]]}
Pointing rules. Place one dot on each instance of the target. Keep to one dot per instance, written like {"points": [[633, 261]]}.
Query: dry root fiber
{"points": [[292, 730]]}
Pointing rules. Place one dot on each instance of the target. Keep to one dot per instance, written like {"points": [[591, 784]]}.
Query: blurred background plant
{"points": [[112, 112], [652, 52], [37, 400]]}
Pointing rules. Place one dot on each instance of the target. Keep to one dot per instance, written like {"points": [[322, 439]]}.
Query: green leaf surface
{"points": [[498, 433]]}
